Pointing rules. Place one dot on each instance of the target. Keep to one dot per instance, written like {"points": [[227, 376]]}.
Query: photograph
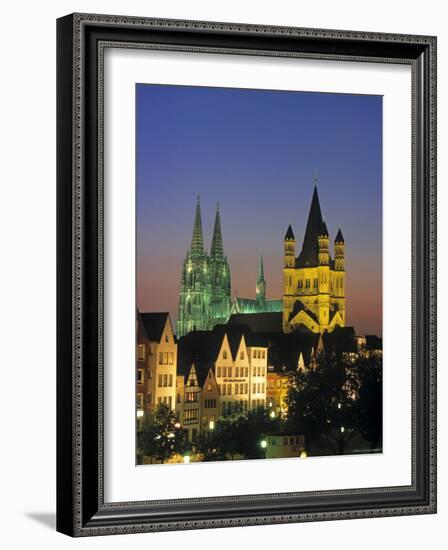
{"points": [[258, 274]]}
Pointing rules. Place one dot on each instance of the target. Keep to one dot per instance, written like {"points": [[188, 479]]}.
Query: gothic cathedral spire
{"points": [[261, 283], [217, 249], [197, 241]]}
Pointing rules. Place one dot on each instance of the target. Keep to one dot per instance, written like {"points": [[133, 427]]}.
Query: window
{"points": [[171, 357], [141, 352], [140, 376], [236, 389], [219, 372], [140, 401], [179, 398], [242, 355], [262, 388], [224, 354], [254, 353], [246, 388], [170, 380], [165, 380], [224, 388], [241, 388], [254, 388], [229, 389], [237, 371], [167, 338], [160, 380], [160, 358], [246, 370], [209, 387], [307, 283], [165, 358], [254, 372], [229, 372], [315, 283], [263, 354]]}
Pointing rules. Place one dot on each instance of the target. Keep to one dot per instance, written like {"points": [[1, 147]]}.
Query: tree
{"points": [[238, 436], [369, 405], [159, 437], [321, 400]]}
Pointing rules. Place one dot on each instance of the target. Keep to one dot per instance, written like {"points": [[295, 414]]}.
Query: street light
{"points": [[263, 444], [342, 429], [303, 454], [211, 425], [272, 414], [177, 425], [186, 459], [140, 413]]}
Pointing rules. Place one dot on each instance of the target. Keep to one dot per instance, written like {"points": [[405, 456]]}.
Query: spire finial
{"points": [[316, 177], [261, 268]]}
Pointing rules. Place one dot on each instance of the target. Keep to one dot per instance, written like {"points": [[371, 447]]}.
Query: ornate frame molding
{"points": [[81, 42]]}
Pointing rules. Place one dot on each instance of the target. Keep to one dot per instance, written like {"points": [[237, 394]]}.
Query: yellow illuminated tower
{"points": [[313, 283]]}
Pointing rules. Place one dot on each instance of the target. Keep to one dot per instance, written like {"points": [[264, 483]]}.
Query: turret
{"points": [[289, 248], [339, 252], [261, 283], [323, 245]]}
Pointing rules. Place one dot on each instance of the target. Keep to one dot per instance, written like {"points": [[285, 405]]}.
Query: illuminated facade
{"points": [[313, 282], [204, 299]]}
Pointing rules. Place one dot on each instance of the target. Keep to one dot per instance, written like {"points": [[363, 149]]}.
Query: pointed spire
{"points": [[308, 255], [323, 229], [261, 269], [217, 250], [197, 241], [339, 238], [289, 234]]}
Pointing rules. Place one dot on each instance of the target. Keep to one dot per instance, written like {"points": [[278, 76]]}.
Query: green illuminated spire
{"points": [[217, 250], [260, 295], [197, 242]]}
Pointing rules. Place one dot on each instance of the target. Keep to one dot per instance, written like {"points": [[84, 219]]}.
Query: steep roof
{"points": [[154, 324], [309, 254], [339, 238], [298, 307], [289, 234], [259, 322]]}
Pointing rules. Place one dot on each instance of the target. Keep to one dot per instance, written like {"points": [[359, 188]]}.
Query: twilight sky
{"points": [[256, 152]]}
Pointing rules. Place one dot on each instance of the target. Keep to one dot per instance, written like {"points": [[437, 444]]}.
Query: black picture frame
{"points": [[81, 510]]}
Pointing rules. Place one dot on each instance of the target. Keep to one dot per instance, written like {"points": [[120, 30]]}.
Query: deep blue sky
{"points": [[256, 152]]}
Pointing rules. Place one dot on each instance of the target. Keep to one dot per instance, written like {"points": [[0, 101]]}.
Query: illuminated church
{"points": [[205, 289], [313, 282]]}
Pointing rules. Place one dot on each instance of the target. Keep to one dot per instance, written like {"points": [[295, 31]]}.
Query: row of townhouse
{"points": [[204, 376]]}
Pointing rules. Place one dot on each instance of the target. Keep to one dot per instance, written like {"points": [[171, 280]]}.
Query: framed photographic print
{"points": [[246, 274]]}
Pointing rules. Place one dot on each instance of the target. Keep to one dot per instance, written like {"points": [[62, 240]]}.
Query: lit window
{"points": [[141, 352], [160, 358], [140, 376], [165, 358], [167, 338], [171, 380], [160, 380], [237, 371], [165, 380], [171, 357], [209, 387], [254, 354]]}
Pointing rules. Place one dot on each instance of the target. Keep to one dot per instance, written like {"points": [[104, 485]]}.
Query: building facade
{"points": [[156, 362], [314, 282], [205, 287]]}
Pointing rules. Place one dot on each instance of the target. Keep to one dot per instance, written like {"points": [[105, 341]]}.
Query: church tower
{"points": [[221, 301], [260, 291], [195, 290], [313, 283]]}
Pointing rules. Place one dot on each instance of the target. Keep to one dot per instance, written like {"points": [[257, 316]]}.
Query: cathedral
{"points": [[205, 289], [313, 282], [204, 299]]}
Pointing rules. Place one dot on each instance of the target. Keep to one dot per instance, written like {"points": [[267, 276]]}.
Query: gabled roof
{"points": [[200, 347], [154, 324], [309, 254], [142, 337], [300, 306]]}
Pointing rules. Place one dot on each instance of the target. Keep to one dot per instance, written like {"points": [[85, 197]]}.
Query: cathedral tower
{"points": [[260, 291], [221, 301], [313, 283], [195, 291]]}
